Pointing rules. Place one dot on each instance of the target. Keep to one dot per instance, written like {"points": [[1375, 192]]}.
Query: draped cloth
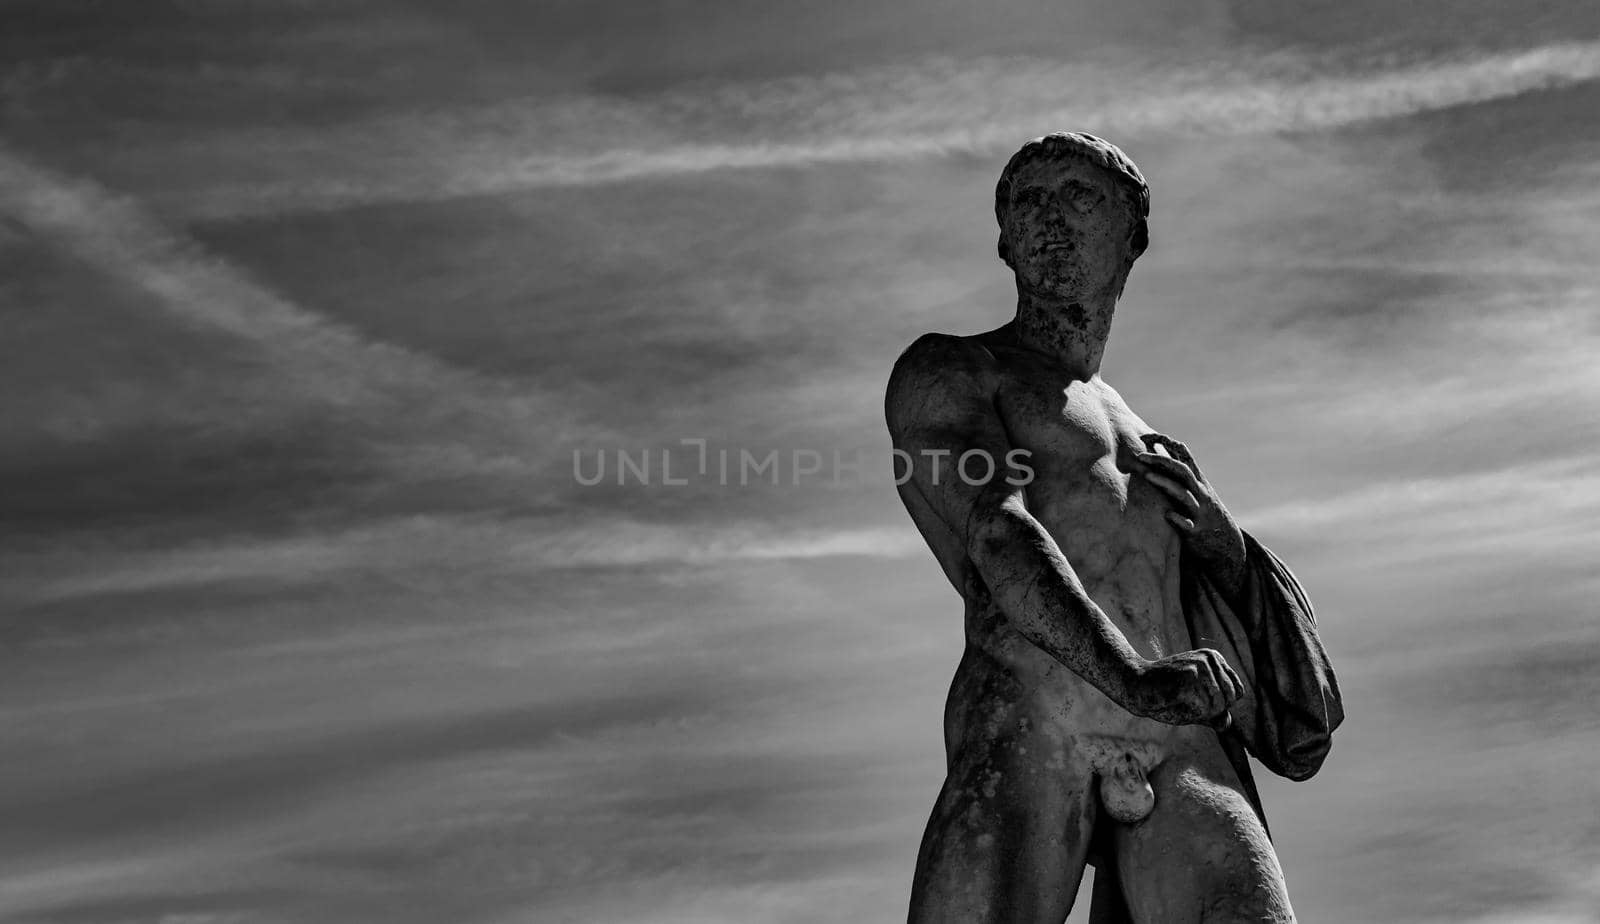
{"points": [[1291, 702]]}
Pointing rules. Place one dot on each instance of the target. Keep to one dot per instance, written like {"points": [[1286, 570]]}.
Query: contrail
{"points": [[933, 109], [320, 360], [415, 544]]}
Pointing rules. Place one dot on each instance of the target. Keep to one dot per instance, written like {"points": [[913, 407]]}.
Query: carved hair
{"points": [[1085, 147]]}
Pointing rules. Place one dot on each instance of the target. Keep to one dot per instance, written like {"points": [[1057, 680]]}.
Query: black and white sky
{"points": [[306, 307]]}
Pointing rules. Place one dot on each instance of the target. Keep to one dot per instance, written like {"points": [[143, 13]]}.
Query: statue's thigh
{"points": [[1201, 856], [1007, 844]]}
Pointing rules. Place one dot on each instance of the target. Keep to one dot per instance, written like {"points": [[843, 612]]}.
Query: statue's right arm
{"points": [[940, 404]]}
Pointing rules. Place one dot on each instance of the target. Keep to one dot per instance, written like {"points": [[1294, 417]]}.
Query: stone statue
{"points": [[1126, 642]]}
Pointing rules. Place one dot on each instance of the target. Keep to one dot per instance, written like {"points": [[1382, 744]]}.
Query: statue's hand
{"points": [[1198, 514], [1188, 688]]}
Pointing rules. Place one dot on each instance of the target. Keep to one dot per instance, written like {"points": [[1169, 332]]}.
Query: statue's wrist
{"points": [[1130, 682]]}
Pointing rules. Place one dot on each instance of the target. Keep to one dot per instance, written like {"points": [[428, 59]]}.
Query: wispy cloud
{"points": [[116, 236], [1546, 509], [315, 359], [415, 545], [936, 108]]}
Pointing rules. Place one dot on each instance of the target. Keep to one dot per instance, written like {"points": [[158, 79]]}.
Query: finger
{"points": [[1179, 494], [1180, 450], [1152, 440], [1170, 466], [1216, 690], [1231, 682], [1227, 681], [1183, 523]]}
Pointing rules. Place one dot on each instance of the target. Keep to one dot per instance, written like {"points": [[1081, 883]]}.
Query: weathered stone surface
{"points": [[1082, 721]]}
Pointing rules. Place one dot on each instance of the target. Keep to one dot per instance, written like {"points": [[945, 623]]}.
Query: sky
{"points": [[315, 318]]}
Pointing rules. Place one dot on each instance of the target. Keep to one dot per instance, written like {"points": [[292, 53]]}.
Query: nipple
{"points": [[1125, 791]]}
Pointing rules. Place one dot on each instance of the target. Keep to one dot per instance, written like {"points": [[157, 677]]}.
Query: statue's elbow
{"points": [[990, 535]]}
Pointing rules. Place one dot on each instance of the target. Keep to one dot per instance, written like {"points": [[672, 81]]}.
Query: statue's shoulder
{"points": [[940, 371], [945, 356]]}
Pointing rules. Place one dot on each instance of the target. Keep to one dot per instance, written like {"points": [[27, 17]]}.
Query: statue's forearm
{"points": [[1035, 586]]}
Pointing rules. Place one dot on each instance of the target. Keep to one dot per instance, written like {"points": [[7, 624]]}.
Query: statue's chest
{"points": [[1072, 427], [1082, 444]]}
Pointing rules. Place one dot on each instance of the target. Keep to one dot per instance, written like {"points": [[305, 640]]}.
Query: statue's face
{"points": [[1067, 229]]}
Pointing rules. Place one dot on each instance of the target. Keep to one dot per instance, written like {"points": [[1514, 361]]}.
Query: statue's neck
{"points": [[1073, 330]]}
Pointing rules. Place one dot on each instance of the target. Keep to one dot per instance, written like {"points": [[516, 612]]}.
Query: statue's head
{"points": [[1073, 213]]}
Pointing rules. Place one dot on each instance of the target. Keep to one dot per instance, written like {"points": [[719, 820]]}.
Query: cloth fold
{"points": [[1291, 703]]}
